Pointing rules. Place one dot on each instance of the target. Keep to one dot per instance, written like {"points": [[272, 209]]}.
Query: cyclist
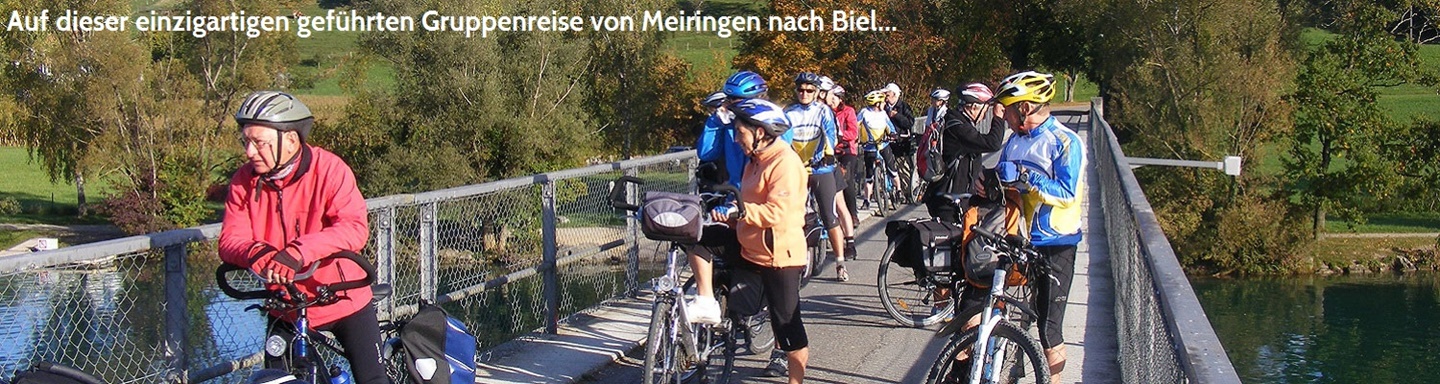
{"points": [[848, 153], [812, 126], [961, 139], [875, 128], [903, 147], [934, 116], [769, 235], [1049, 159], [292, 204], [717, 144]]}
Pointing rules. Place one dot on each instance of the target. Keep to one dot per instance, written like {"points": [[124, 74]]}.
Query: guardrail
{"points": [[508, 257], [1164, 334]]}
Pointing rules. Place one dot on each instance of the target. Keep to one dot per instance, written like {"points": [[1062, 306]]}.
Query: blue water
{"points": [[1345, 329]]}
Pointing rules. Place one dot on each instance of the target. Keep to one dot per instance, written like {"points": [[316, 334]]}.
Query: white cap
{"points": [[892, 88]]}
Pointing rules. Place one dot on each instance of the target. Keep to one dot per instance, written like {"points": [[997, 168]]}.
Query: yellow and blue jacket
{"points": [[1055, 158]]}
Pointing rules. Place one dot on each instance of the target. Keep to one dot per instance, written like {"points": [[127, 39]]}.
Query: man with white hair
{"points": [[905, 141]]}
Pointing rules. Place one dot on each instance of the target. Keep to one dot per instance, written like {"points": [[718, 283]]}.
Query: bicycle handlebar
{"points": [[617, 194], [1011, 240], [224, 282]]}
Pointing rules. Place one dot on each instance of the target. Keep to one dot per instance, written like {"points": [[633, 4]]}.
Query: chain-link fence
{"points": [[508, 258], [1163, 332]]}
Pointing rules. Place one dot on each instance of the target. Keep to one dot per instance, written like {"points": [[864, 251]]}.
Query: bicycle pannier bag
{"points": [[439, 348], [668, 216], [923, 243]]}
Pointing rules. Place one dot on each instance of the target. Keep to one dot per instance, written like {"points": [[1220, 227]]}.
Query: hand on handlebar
{"points": [[276, 266], [724, 212]]}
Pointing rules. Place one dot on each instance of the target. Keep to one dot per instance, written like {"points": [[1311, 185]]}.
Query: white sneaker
{"points": [[703, 310]]}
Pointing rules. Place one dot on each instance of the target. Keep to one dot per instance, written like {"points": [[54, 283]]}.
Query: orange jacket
{"points": [[773, 194]]}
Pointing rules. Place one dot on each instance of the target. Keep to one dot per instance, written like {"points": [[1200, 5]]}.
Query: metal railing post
{"points": [[176, 313], [548, 264], [429, 264], [385, 256], [632, 238]]}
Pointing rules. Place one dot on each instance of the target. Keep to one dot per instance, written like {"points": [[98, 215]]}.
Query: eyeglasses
{"points": [[808, 90], [246, 142]]}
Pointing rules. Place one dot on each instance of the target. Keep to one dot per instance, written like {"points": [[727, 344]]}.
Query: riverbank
{"points": [[1366, 253]]}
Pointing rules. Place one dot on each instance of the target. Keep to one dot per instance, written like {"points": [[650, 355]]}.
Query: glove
{"points": [[1008, 172], [727, 211], [267, 258]]}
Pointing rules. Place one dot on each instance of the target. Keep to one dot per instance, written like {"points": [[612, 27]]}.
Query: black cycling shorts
{"points": [[782, 293]]}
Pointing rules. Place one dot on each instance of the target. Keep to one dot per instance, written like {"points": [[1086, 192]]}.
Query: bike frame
{"points": [[668, 287], [985, 355]]}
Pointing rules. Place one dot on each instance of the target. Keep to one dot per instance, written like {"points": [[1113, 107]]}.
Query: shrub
{"points": [[9, 206]]}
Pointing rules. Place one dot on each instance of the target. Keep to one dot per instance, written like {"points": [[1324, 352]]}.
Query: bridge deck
{"points": [[852, 339]]}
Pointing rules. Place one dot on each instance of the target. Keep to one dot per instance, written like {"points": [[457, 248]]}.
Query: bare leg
{"points": [[702, 269], [842, 211], [1056, 358], [797, 360]]}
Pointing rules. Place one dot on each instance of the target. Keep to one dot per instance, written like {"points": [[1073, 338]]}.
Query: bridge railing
{"points": [[1164, 335], [508, 257]]}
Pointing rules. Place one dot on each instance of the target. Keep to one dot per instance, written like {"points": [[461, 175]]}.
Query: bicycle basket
{"points": [[668, 216]]}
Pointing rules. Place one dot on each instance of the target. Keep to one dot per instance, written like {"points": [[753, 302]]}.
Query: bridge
{"points": [[553, 283]]}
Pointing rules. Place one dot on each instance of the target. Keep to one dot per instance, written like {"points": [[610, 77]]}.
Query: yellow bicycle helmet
{"points": [[875, 97], [1026, 86]]}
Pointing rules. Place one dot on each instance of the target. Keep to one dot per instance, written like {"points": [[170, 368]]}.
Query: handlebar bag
{"points": [[668, 216], [440, 348]]}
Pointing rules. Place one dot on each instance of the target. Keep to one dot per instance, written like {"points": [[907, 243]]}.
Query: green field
{"points": [[41, 201]]}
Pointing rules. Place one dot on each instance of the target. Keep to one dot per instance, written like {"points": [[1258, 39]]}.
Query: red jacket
{"points": [[322, 213], [848, 129]]}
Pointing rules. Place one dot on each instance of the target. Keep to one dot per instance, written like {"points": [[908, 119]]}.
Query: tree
{"points": [[1198, 79], [476, 108], [1335, 161]]}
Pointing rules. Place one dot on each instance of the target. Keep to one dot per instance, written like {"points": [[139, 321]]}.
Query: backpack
{"points": [[669, 216], [51, 373], [439, 348]]}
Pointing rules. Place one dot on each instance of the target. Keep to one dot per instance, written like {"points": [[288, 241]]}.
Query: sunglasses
{"points": [[811, 90]]}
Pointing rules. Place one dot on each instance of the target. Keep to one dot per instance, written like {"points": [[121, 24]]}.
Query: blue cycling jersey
{"points": [[717, 141], [1055, 158]]}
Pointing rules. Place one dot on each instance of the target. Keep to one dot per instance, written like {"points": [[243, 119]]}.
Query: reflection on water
{"points": [[1327, 329]]}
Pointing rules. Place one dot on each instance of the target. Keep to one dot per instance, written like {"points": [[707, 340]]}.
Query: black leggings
{"points": [[824, 187], [855, 179], [358, 334], [782, 292]]}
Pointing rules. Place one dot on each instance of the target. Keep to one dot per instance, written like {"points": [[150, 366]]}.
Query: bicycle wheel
{"points": [[883, 189], [1014, 358], [661, 357], [817, 251], [914, 299]]}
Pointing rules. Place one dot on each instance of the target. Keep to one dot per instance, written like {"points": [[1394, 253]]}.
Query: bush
{"points": [[9, 206], [136, 213]]}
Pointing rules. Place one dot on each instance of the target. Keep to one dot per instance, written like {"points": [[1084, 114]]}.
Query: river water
{"points": [[1338, 329]]}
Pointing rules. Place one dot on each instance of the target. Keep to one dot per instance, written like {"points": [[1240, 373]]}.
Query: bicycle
{"points": [[916, 296], [904, 151], [817, 242], [305, 363], [705, 353], [885, 188], [1000, 348]]}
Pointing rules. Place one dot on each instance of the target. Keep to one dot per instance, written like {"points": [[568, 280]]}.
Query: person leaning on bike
{"points": [[1048, 160], [960, 144], [875, 129], [292, 204], [769, 237]]}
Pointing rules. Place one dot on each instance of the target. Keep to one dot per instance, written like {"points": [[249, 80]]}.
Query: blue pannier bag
{"points": [[440, 349]]}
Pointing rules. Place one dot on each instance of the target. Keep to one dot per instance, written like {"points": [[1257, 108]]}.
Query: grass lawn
{"points": [[41, 201], [1368, 251], [11, 238]]}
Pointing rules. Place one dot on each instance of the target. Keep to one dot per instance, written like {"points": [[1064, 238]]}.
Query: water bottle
{"points": [[338, 376]]}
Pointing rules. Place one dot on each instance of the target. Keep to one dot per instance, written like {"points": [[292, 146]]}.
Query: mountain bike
{"points": [[1000, 349], [304, 362], [676, 350]]}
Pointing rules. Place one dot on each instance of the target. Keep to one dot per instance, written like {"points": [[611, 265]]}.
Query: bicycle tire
{"points": [[882, 194], [661, 358], [910, 299], [1015, 364], [816, 255]]}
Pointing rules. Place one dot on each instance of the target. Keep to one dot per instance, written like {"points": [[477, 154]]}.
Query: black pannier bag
{"points": [[923, 243], [668, 216]]}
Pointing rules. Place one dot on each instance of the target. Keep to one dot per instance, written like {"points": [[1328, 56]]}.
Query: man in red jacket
{"points": [[290, 206]]}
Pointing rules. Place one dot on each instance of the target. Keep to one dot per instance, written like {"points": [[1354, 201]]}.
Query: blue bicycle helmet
{"points": [[807, 78], [745, 85], [764, 114]]}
